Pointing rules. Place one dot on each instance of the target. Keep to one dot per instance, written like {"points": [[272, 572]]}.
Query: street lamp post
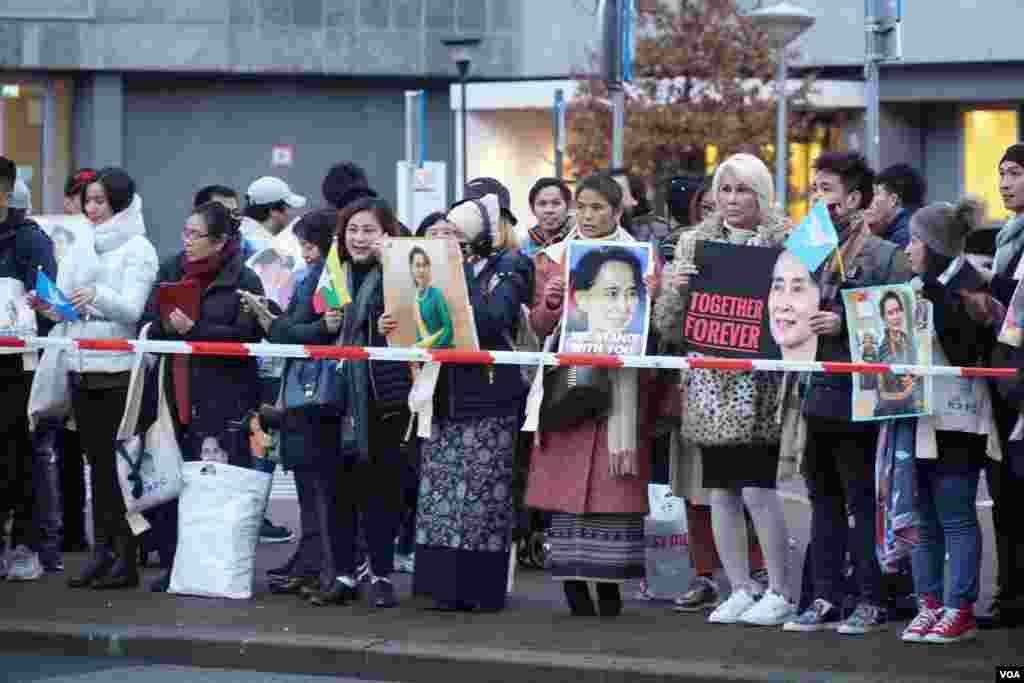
{"points": [[460, 52], [783, 23]]}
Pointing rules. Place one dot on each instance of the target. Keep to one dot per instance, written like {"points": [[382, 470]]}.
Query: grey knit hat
{"points": [[944, 227]]}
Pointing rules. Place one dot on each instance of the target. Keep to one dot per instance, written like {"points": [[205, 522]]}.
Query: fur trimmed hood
{"points": [[773, 229]]}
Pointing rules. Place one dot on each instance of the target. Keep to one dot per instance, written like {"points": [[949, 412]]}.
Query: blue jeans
{"points": [[947, 494]]}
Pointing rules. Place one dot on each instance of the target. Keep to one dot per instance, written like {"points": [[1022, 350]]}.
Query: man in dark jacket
{"points": [[899, 192], [840, 454], [24, 250]]}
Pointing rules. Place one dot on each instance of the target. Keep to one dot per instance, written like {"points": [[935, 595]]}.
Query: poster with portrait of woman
{"points": [[425, 289], [751, 302], [608, 307], [889, 325]]}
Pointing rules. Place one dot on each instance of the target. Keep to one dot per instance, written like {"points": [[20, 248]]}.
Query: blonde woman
{"points": [[739, 442]]}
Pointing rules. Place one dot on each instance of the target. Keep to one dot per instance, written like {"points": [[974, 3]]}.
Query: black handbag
{"points": [[314, 384], [574, 394]]}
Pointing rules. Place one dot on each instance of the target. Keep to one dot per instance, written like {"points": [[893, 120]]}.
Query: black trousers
{"points": [[98, 414], [72, 477], [16, 484], [1007, 490], [365, 497], [310, 553], [840, 466]]}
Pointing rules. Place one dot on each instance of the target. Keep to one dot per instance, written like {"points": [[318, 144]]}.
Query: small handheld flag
{"points": [[49, 294], [815, 238], [332, 288]]}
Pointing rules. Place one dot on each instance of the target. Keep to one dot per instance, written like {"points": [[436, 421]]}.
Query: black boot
{"points": [[98, 567], [577, 593], [125, 572], [609, 599]]}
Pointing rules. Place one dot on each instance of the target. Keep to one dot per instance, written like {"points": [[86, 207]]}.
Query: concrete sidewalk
{"points": [[534, 639]]}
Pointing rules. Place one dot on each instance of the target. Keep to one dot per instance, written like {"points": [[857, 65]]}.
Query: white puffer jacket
{"points": [[123, 277]]}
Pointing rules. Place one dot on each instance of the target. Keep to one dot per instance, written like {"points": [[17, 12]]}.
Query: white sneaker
{"points": [[771, 610], [25, 565], [730, 611]]}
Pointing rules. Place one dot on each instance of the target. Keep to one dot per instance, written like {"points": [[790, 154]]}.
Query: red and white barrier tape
{"points": [[484, 357]]}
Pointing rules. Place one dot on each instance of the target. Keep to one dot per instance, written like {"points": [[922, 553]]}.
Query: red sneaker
{"points": [[955, 625], [929, 614]]}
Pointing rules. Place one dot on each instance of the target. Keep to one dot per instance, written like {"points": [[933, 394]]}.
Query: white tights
{"points": [[729, 526]]}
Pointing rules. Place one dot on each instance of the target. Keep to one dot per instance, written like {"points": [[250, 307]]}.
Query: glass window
{"points": [[24, 135], [987, 134]]}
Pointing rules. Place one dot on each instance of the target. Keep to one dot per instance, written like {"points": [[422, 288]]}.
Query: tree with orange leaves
{"points": [[702, 75]]}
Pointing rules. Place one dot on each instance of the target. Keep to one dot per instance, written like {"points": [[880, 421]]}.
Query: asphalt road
{"points": [[23, 668]]}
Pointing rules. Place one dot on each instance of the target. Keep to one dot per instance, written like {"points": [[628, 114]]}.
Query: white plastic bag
{"points": [[669, 569], [148, 465], [50, 396], [220, 512]]}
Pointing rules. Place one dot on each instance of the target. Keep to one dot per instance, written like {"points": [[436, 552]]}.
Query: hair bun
{"points": [[967, 212]]}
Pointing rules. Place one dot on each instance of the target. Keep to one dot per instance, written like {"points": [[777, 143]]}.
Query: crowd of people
{"points": [[454, 497]]}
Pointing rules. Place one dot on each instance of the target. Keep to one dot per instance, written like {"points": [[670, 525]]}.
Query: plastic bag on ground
{"points": [[669, 569], [220, 512]]}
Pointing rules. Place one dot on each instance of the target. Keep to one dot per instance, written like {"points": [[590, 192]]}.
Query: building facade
{"points": [[184, 93], [949, 107]]}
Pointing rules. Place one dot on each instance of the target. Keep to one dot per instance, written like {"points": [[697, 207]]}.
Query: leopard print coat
{"points": [[722, 408]]}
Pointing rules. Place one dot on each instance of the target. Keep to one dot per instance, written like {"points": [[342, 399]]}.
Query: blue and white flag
{"points": [[815, 238], [49, 294]]}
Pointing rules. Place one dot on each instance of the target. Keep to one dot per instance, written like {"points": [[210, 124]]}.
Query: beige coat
{"points": [[686, 471]]}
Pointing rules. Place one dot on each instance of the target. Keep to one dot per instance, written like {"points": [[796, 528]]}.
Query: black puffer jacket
{"points": [[24, 250], [221, 387]]}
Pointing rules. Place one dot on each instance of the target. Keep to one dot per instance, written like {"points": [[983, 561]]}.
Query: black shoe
{"points": [[1004, 613], [285, 570], [383, 592], [125, 572], [275, 534], [162, 584], [341, 593], [577, 593], [70, 545], [293, 585], [609, 599], [98, 568]]}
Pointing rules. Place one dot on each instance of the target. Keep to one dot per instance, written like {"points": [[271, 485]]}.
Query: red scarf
{"points": [[204, 271]]}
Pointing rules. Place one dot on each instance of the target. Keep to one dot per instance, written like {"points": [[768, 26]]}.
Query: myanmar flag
{"points": [[332, 289]]}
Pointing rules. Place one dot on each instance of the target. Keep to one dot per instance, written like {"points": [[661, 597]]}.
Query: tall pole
{"points": [[559, 132], [463, 77], [618, 95], [872, 123], [781, 171]]}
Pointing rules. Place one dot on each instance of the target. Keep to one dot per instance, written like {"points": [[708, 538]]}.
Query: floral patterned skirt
{"points": [[465, 513]]}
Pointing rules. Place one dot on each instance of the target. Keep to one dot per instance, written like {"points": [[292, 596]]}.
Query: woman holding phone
{"points": [[209, 395]]}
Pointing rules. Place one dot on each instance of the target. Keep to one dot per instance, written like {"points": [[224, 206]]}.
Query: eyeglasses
{"points": [[193, 235]]}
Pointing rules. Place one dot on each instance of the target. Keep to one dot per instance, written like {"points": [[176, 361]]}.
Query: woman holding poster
{"points": [[593, 475], [946, 479], [465, 508], [731, 416]]}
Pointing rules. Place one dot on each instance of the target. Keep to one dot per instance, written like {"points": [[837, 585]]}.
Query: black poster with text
{"points": [[727, 315]]}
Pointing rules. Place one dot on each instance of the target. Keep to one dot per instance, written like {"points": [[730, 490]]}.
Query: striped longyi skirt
{"points": [[597, 547]]}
